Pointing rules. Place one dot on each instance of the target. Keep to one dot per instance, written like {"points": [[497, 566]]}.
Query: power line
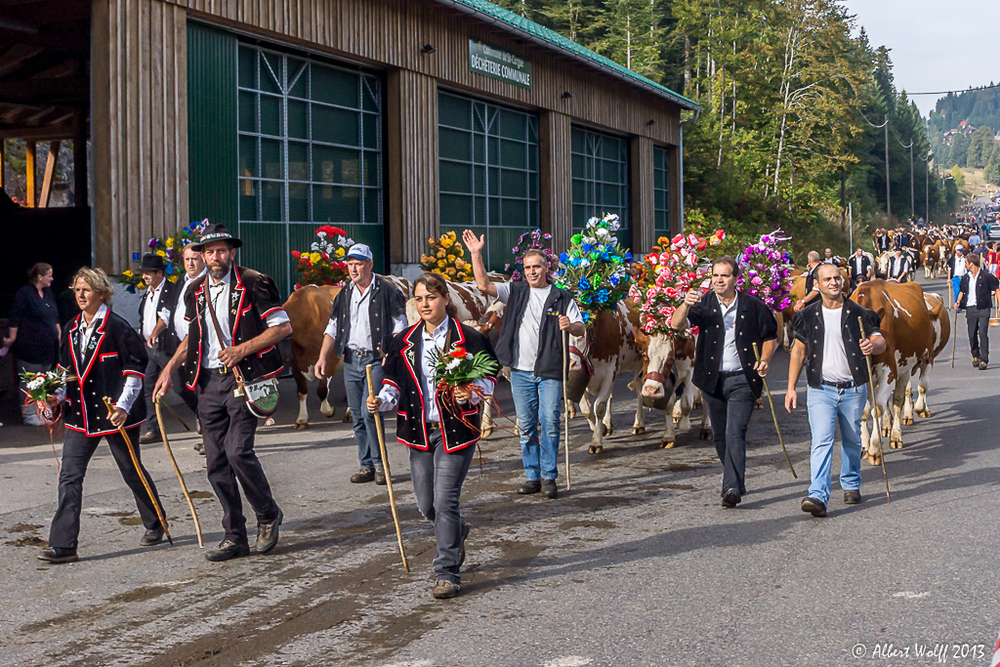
{"points": [[949, 92]]}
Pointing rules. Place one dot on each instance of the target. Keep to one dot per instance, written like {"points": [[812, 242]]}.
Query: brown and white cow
{"points": [[309, 309], [609, 348], [667, 385], [910, 340]]}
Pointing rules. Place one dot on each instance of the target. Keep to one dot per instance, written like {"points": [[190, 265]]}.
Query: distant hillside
{"points": [[979, 106]]}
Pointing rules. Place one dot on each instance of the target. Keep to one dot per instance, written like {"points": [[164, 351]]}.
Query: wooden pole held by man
{"points": [[180, 477], [774, 415], [873, 415]]}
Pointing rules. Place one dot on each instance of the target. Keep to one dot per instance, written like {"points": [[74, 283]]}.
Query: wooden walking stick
{"points": [[180, 477], [385, 465], [138, 470], [565, 356], [774, 415], [874, 416], [174, 413]]}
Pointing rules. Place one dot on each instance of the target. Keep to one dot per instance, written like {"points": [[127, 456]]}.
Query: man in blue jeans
{"points": [[830, 343], [366, 314], [530, 343]]}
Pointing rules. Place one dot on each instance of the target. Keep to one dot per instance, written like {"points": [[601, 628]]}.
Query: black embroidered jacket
{"points": [[754, 324], [252, 297], [808, 327], [403, 370], [113, 352]]}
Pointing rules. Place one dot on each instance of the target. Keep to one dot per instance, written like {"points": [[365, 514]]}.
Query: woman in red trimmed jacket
{"points": [[441, 442], [107, 358]]}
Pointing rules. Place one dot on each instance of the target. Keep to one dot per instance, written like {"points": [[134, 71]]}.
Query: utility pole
{"points": [[888, 204], [913, 208]]}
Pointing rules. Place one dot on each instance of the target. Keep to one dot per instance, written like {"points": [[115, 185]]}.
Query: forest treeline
{"points": [[976, 148], [793, 98]]}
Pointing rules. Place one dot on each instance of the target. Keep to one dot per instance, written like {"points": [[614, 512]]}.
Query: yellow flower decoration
{"points": [[340, 252], [141, 285], [161, 253], [315, 257], [442, 264], [170, 243], [127, 273], [447, 242], [174, 278], [440, 253], [459, 251]]}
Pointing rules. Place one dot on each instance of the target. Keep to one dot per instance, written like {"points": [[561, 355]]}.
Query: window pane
{"points": [[271, 72], [270, 115], [248, 111], [298, 161], [298, 119], [454, 177], [454, 144], [271, 162], [336, 126], [298, 202], [248, 156], [372, 131], [335, 86], [248, 68], [513, 154], [456, 210], [273, 202], [514, 184], [453, 111], [373, 205], [336, 204], [248, 199]]}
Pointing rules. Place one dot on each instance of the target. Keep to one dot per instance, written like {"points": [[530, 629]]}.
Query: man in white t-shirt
{"points": [[830, 343], [531, 344]]}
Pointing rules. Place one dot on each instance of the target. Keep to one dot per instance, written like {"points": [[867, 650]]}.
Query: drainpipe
{"points": [[680, 163]]}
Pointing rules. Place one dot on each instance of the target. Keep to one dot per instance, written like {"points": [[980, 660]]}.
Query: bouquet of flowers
{"points": [[671, 269], [595, 269], [445, 256], [40, 388], [457, 367], [324, 263], [170, 250], [535, 240], [765, 272]]}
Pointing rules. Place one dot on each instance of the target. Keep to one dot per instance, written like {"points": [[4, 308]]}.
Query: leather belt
{"points": [[433, 426], [730, 374], [839, 385]]}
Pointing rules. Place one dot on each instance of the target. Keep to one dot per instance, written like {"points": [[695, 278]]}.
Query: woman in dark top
{"points": [[34, 329]]}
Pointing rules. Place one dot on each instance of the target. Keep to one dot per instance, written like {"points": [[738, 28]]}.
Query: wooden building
{"points": [[394, 119]]}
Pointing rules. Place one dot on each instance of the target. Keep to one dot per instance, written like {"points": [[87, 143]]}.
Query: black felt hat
{"points": [[216, 233], [152, 262]]}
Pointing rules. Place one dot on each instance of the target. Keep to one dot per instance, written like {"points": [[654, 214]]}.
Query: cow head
{"points": [[658, 377]]}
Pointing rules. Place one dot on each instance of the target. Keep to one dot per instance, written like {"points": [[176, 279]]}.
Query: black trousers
{"points": [[78, 448], [978, 320], [228, 428], [729, 410], [154, 365]]}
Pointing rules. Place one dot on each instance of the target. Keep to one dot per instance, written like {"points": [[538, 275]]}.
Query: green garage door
{"points": [[661, 191], [310, 153], [600, 179], [488, 173]]}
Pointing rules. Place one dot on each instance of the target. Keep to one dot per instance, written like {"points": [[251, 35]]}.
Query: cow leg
{"points": [[705, 433], [589, 410], [601, 409], [864, 428], [323, 391], [896, 434], [921, 407], [302, 389], [907, 418], [669, 439], [608, 426], [639, 425]]}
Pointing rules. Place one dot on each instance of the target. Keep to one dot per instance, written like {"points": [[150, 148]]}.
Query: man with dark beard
{"points": [[244, 332]]}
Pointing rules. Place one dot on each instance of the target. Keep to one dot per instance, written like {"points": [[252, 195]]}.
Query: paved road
{"points": [[637, 565]]}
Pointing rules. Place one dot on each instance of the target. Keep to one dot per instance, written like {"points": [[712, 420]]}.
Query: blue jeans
{"points": [[356, 384], [827, 406], [537, 400], [955, 282]]}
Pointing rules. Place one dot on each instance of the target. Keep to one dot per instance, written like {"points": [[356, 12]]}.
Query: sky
{"points": [[934, 45]]}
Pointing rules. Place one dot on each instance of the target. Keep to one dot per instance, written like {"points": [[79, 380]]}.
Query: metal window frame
{"points": [[661, 153], [484, 123], [593, 183], [368, 84]]}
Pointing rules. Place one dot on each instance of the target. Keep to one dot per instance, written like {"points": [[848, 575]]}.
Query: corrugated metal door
{"points": [[212, 140]]}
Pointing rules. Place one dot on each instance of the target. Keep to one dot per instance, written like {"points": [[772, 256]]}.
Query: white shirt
{"points": [[432, 346], [960, 268], [180, 312], [835, 366], [150, 309], [970, 301], [133, 383], [859, 264], [730, 358], [218, 294], [361, 329], [531, 324]]}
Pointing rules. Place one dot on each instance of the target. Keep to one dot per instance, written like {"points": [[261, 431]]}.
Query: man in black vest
{"points": [[811, 292], [831, 345], [249, 316], [899, 266], [882, 241], [861, 268], [159, 292], [725, 366], [531, 344], [975, 293], [366, 314], [172, 327]]}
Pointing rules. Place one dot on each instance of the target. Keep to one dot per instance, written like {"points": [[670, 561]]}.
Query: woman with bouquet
{"points": [[34, 331], [107, 358], [437, 375]]}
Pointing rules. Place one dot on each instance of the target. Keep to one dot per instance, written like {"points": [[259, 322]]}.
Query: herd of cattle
{"points": [[915, 325]]}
